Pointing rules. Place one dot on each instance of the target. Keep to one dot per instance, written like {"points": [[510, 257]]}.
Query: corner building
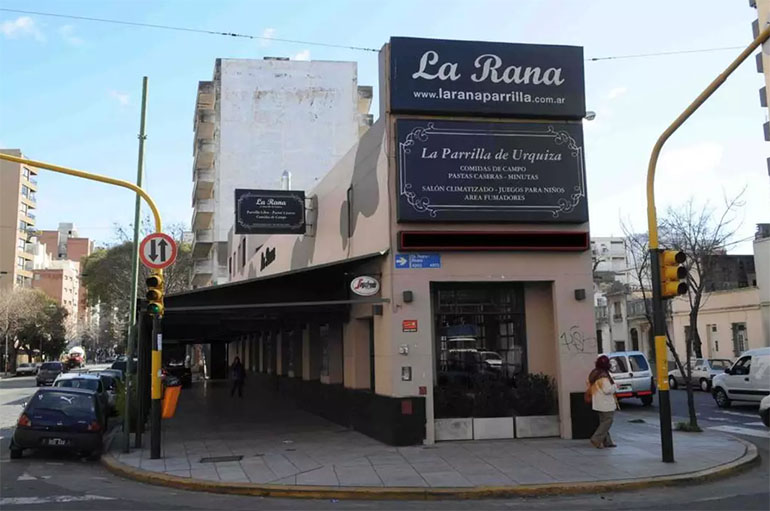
{"points": [[470, 213]]}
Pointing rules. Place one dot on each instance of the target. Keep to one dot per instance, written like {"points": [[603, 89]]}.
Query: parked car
{"points": [[492, 359], [764, 410], [115, 373], [121, 363], [632, 375], [703, 372], [48, 373], [26, 369], [747, 380], [86, 381], [60, 418], [110, 384]]}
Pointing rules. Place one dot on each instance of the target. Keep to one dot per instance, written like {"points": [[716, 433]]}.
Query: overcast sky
{"points": [[70, 91]]}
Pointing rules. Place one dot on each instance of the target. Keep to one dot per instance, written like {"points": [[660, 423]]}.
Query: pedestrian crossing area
{"points": [[738, 423]]}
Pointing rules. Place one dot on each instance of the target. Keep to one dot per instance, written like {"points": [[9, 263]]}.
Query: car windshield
{"points": [[23, 365], [53, 366], [62, 401], [79, 383], [718, 363]]}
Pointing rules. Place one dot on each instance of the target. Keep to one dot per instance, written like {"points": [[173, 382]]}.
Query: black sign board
{"points": [[465, 171], [483, 78], [269, 212]]}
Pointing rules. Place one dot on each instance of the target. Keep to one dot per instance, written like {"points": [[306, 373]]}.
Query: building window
{"points": [[20, 262], [230, 265], [22, 225], [25, 172], [25, 191], [740, 338], [634, 339], [243, 253], [21, 244], [620, 345]]}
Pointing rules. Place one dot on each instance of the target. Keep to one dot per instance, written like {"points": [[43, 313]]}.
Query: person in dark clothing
{"points": [[238, 375]]}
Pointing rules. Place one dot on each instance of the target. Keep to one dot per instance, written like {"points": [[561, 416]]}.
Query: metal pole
{"points": [[157, 346], [661, 364], [658, 317], [134, 272], [141, 386]]}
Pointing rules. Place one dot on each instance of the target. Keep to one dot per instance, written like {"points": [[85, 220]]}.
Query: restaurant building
{"points": [[440, 286]]}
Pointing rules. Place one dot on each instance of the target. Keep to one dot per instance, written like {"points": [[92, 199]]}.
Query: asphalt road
{"points": [[41, 481]]}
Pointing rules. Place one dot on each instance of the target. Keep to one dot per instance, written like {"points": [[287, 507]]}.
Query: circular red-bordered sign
{"points": [[157, 251]]}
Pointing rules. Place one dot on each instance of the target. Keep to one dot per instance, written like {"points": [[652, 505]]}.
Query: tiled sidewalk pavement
{"points": [[284, 445]]}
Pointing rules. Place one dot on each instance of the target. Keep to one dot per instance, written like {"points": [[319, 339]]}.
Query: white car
{"points": [[747, 380], [26, 370], [703, 372], [764, 410]]}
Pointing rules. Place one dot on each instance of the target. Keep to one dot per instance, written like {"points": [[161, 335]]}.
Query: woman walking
{"points": [[239, 375], [602, 390]]}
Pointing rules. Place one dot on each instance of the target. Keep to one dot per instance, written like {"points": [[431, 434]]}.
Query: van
{"points": [[748, 379], [633, 376]]}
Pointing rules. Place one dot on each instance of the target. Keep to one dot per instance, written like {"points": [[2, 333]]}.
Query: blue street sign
{"points": [[418, 261]]}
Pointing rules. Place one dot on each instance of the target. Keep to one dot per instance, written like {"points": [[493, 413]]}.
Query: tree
{"points": [[702, 235], [107, 277], [29, 321]]}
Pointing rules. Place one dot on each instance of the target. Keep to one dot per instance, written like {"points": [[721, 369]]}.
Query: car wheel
{"points": [[705, 385], [720, 396], [672, 382], [94, 456], [646, 400], [16, 453]]}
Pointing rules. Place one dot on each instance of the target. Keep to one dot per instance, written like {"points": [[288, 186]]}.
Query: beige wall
{"points": [[538, 308], [722, 309]]}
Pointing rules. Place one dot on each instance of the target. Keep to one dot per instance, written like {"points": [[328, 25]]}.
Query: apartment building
{"points": [[61, 281], [763, 59], [18, 187], [64, 244], [256, 122]]}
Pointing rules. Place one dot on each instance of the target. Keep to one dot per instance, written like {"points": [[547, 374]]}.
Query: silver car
{"points": [[703, 372], [632, 375]]}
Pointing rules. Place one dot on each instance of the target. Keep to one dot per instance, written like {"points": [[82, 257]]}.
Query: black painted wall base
{"points": [[392, 420], [584, 419]]}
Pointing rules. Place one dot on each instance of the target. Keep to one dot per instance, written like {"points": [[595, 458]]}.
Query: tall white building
{"points": [[256, 120]]}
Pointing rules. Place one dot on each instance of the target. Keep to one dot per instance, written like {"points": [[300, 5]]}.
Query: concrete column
{"points": [[311, 352], [219, 363], [356, 369], [334, 350], [278, 347], [261, 352], [541, 332]]}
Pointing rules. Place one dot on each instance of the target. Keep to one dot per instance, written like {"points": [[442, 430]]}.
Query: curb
{"points": [[749, 457]]}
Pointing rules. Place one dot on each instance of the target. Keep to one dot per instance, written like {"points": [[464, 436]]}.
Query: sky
{"points": [[70, 91]]}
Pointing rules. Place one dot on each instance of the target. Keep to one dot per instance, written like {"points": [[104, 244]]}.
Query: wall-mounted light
{"points": [[408, 296], [580, 294], [406, 373]]}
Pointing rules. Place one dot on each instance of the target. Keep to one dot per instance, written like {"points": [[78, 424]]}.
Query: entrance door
{"points": [[480, 347]]}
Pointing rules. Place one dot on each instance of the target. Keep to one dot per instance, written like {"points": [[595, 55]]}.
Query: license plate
{"points": [[55, 442], [624, 388]]}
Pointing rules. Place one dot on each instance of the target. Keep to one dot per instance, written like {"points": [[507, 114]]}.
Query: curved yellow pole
{"points": [[92, 177], [652, 220]]}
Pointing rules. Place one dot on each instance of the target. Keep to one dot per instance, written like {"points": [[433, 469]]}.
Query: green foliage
{"points": [[688, 427], [534, 394], [39, 325]]}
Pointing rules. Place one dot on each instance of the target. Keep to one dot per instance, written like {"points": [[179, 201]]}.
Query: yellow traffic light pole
{"points": [[156, 354], [659, 321]]}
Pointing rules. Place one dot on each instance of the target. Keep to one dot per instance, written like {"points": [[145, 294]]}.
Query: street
{"points": [[45, 481]]}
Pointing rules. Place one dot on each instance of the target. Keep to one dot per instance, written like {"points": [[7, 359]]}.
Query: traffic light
{"points": [[155, 295], [673, 274]]}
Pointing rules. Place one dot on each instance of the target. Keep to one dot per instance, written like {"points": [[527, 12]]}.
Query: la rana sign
{"points": [[485, 78]]}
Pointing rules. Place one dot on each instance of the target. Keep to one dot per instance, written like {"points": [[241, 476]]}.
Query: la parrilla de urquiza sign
{"points": [[483, 78], [468, 171]]}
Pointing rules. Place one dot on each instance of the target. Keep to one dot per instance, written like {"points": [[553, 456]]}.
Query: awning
{"points": [[224, 312]]}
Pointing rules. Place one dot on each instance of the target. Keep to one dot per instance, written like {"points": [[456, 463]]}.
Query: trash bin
{"points": [[171, 391]]}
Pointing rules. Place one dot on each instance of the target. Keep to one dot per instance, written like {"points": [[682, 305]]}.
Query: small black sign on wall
{"points": [[269, 212]]}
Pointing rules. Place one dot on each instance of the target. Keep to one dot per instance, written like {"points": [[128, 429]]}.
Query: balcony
{"points": [[206, 96], [203, 271], [600, 313], [204, 185], [203, 214], [204, 155], [202, 243], [617, 318], [204, 130]]}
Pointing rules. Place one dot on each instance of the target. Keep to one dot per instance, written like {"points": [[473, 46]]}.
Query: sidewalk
{"points": [[284, 447]]}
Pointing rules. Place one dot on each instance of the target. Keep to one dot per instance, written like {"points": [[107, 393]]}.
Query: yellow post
{"points": [[658, 316]]}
